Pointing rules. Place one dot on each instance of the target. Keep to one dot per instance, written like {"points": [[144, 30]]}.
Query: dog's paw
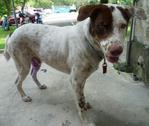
{"points": [[43, 86], [26, 99]]}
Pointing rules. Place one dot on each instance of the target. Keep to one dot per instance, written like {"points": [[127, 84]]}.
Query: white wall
{"points": [[142, 27]]}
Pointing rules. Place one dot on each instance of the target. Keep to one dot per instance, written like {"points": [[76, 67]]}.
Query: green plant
{"points": [[3, 35]]}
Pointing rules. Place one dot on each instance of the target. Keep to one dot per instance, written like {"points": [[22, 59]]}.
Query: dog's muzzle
{"points": [[113, 52]]}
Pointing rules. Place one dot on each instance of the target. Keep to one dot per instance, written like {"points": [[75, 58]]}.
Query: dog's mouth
{"points": [[112, 58]]}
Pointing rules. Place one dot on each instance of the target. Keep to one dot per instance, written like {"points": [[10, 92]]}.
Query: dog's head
{"points": [[107, 26]]}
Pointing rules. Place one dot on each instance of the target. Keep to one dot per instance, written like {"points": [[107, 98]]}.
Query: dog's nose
{"points": [[115, 49]]}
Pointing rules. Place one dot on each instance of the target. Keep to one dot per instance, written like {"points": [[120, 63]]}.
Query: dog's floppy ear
{"points": [[94, 13], [137, 12], [103, 11], [85, 11], [125, 12]]}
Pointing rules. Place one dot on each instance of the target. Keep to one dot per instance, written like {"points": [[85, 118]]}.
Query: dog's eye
{"points": [[123, 26]]}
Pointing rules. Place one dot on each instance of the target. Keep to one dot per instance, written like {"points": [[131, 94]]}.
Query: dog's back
{"points": [[50, 44]]}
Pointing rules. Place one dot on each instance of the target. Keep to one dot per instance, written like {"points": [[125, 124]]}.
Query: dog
{"points": [[75, 50]]}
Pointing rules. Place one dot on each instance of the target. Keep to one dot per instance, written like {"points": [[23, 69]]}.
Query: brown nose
{"points": [[115, 49]]}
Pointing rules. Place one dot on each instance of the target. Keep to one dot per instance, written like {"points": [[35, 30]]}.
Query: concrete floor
{"points": [[116, 99]]}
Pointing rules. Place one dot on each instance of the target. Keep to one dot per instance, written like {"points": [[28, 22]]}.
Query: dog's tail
{"points": [[6, 53]]}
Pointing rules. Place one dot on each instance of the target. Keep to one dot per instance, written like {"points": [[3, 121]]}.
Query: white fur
{"points": [[70, 49]]}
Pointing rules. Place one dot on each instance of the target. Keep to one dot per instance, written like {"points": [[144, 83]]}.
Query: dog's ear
{"points": [[103, 11], [137, 12], [125, 12], [95, 12], [85, 12]]}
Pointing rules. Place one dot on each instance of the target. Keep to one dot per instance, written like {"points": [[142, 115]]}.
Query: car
{"points": [[31, 17], [11, 19], [61, 16], [64, 9], [73, 8], [60, 19], [61, 9]]}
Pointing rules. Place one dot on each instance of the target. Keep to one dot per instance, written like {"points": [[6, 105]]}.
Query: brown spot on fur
{"points": [[81, 103], [101, 22], [125, 13]]}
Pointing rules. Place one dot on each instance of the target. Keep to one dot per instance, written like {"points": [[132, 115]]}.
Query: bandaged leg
{"points": [[36, 63]]}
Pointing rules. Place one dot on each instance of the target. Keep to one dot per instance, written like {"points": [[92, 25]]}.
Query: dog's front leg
{"points": [[77, 79]]}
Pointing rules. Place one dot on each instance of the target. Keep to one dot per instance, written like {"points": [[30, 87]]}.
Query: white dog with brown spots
{"points": [[76, 50]]}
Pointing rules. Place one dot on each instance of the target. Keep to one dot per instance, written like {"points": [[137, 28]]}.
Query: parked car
{"points": [[11, 18], [61, 9], [30, 16], [64, 9], [73, 8], [60, 19]]}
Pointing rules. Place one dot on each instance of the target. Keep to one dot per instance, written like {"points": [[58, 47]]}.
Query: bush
{"points": [[4, 34]]}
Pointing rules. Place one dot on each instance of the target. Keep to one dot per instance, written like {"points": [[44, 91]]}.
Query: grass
{"points": [[3, 35]]}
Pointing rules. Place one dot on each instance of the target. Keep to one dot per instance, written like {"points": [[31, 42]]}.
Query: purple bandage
{"points": [[36, 63]]}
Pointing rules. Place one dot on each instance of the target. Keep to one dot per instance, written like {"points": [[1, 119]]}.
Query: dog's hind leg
{"points": [[23, 70], [35, 68], [21, 78], [22, 62]]}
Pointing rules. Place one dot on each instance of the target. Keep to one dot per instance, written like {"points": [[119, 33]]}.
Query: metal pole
{"points": [[131, 38], [15, 18]]}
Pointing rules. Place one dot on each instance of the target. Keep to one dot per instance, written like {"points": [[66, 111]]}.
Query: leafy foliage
{"points": [[40, 4], [126, 2], [3, 9], [103, 1], [4, 34], [6, 5]]}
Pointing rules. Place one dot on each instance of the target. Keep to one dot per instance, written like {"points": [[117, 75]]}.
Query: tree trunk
{"points": [[23, 5], [103, 1]]}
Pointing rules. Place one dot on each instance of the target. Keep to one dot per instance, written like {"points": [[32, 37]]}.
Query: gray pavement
{"points": [[116, 99]]}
